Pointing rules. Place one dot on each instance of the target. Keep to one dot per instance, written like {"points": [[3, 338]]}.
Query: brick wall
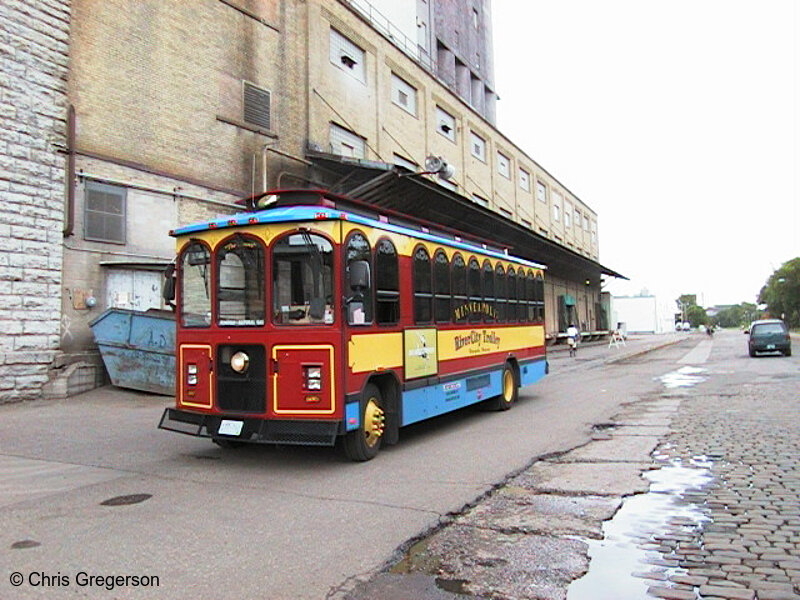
{"points": [[34, 45]]}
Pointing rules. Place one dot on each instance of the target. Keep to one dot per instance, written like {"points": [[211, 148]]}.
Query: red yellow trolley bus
{"points": [[312, 317]]}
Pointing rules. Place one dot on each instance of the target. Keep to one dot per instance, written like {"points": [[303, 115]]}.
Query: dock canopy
{"points": [[396, 188]]}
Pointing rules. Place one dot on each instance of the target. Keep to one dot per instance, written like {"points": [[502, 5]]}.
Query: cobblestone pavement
{"points": [[750, 546], [727, 528]]}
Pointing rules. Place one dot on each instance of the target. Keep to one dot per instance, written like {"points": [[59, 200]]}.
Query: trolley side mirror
{"points": [[168, 287], [316, 308], [359, 275]]}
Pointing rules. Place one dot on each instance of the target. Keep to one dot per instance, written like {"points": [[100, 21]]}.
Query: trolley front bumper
{"points": [[263, 431]]}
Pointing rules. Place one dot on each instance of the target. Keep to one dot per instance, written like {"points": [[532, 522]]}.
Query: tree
{"points": [[696, 315], [684, 302], [781, 293], [738, 315]]}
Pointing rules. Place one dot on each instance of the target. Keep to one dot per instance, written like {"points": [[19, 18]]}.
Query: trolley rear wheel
{"points": [[509, 390]]}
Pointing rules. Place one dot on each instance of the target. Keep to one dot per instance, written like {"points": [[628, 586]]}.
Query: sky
{"points": [[677, 122]]}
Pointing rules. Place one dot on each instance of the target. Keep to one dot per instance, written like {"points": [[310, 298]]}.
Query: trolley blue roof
{"points": [[289, 214]]}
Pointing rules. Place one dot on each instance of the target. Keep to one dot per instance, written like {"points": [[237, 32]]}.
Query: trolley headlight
{"points": [[191, 374], [313, 378], [239, 362]]}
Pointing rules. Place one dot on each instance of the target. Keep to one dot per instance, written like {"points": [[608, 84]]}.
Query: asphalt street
{"points": [[266, 522]]}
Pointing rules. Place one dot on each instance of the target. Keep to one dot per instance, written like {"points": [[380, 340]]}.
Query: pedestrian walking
{"points": [[572, 339]]}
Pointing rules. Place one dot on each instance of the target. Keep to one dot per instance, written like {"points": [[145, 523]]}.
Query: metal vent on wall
{"points": [[256, 106]]}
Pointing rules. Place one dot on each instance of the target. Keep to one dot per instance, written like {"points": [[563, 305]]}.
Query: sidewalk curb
{"points": [[642, 351]]}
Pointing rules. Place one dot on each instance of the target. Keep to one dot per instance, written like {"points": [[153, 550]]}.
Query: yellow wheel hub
{"points": [[508, 386], [374, 422]]}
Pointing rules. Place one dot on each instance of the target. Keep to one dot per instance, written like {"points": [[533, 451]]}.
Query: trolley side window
{"points": [[539, 297], [500, 285], [195, 286], [475, 291], [302, 280], [460, 298], [357, 249], [488, 307], [511, 295], [423, 288], [387, 290], [441, 282], [530, 296]]}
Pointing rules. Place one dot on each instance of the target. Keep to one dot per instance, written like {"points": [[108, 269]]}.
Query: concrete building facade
{"points": [[34, 52], [181, 108]]}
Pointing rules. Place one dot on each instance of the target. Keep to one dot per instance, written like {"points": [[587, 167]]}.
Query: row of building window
{"points": [[350, 57]]}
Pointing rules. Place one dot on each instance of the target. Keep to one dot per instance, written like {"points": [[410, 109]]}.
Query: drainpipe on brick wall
{"points": [[69, 219]]}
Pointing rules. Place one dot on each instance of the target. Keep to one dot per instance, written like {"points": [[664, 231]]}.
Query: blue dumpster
{"points": [[138, 348]]}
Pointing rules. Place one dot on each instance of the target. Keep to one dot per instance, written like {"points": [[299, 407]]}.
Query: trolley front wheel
{"points": [[363, 443]]}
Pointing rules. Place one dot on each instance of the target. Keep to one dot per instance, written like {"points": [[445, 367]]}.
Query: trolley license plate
{"points": [[230, 427], [770, 346]]}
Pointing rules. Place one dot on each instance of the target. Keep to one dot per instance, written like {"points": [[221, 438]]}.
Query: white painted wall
{"points": [[641, 314]]}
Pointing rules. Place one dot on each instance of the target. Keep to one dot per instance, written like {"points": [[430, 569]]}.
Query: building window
{"points": [[506, 213], [401, 161], [504, 165], [586, 222], [104, 212], [480, 200], [567, 216], [446, 124], [557, 198], [347, 56], [478, 146], [346, 143], [256, 106], [594, 233], [577, 218], [475, 18], [525, 180], [404, 95], [541, 191], [527, 223]]}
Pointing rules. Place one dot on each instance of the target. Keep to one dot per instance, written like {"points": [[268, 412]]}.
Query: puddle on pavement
{"points": [[683, 377], [615, 558]]}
